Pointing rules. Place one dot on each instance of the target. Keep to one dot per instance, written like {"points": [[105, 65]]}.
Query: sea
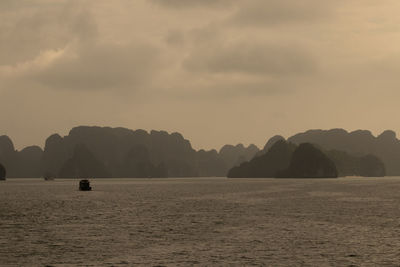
{"points": [[351, 221]]}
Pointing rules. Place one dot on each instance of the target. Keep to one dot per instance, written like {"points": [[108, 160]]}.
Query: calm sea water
{"points": [[213, 221]]}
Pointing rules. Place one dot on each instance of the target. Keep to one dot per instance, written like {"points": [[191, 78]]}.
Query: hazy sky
{"points": [[217, 71]]}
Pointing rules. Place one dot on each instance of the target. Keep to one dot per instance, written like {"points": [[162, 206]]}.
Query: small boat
{"points": [[48, 176], [2, 173], [84, 185]]}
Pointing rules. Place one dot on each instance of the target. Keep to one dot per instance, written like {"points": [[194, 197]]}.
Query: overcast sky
{"points": [[217, 71]]}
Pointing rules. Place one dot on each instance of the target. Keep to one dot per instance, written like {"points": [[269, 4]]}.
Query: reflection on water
{"points": [[209, 221]]}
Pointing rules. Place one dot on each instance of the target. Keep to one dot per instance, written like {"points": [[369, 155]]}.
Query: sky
{"points": [[217, 71]]}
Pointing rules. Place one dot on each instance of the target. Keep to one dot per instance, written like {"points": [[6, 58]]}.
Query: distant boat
{"points": [[84, 185], [2, 173], [48, 176]]}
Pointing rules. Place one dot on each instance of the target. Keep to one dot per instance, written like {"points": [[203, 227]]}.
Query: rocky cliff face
{"points": [[350, 165], [119, 152], [358, 143], [8, 156], [309, 162], [275, 160], [30, 162], [116, 147], [55, 155], [210, 163], [235, 155], [25, 163], [170, 155], [137, 163], [83, 164], [371, 166], [270, 143], [285, 160], [128, 153]]}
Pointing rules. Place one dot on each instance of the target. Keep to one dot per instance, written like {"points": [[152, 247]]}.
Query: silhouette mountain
{"points": [[278, 161], [350, 165], [235, 155], [55, 155], [8, 156], [272, 141], [358, 143], [275, 160], [83, 164], [30, 162], [120, 152], [137, 163], [285, 159], [210, 163], [309, 162], [128, 153], [25, 163], [116, 147]]}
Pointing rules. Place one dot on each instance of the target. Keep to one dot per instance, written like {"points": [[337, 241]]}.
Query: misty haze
{"points": [[199, 133]]}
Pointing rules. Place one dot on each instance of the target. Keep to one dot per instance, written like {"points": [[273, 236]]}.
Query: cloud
{"points": [[251, 58], [100, 67], [28, 28], [58, 45], [273, 12], [193, 3], [175, 37]]}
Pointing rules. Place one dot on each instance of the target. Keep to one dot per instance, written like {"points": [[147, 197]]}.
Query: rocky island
{"points": [[285, 159], [309, 162], [266, 165], [97, 152]]}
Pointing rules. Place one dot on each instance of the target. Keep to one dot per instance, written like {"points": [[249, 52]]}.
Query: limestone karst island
{"points": [[104, 152]]}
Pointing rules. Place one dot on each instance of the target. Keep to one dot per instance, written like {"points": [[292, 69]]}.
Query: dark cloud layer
{"points": [[105, 66], [262, 12], [193, 3], [28, 29], [272, 12], [251, 58]]}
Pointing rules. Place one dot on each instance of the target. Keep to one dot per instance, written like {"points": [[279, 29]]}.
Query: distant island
{"points": [[99, 152], [287, 160]]}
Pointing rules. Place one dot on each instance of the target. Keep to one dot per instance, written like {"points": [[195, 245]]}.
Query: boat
{"points": [[84, 185], [48, 176], [2, 173]]}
